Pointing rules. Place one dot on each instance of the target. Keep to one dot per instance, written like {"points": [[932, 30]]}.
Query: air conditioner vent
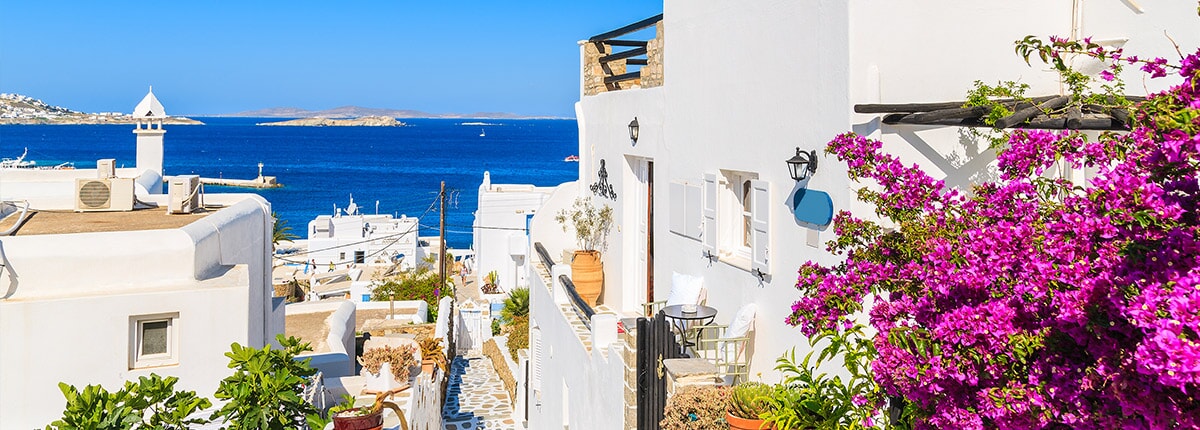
{"points": [[95, 194]]}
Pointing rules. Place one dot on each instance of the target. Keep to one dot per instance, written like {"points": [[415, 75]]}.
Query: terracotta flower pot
{"points": [[427, 367], [587, 273], [366, 422], [738, 423]]}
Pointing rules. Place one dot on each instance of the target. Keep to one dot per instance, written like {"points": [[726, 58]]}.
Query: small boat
{"points": [[481, 133], [18, 163], [572, 158]]}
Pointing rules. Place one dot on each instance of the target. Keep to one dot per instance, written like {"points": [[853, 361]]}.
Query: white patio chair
{"points": [[725, 345]]}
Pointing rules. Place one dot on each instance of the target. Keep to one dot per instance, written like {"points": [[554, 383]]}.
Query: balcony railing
{"points": [[545, 256], [606, 70]]}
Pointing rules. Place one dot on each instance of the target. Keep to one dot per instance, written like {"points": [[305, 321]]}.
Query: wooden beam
{"points": [[1074, 118], [625, 77], [627, 29], [1122, 116], [636, 61], [618, 42], [938, 115], [623, 55], [927, 107], [1022, 115]]}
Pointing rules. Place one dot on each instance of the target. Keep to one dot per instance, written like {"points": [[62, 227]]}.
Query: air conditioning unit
{"points": [[106, 168], [183, 194], [111, 194]]}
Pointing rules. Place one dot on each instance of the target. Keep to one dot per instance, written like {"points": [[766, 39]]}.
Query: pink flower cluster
{"points": [[1032, 302]]}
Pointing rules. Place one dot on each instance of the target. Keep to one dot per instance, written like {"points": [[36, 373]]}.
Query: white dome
{"points": [[149, 107]]}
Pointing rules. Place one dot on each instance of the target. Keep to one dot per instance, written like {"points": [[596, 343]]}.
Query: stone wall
{"points": [[494, 353], [652, 72]]}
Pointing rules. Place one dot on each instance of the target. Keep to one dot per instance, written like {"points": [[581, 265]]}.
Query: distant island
{"points": [[19, 109], [367, 121], [358, 112]]}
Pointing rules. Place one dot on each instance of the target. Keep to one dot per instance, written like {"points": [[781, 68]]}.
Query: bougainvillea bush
{"points": [[1032, 301]]}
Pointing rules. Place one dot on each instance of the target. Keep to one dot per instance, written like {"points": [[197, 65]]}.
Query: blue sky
{"points": [[225, 56]]}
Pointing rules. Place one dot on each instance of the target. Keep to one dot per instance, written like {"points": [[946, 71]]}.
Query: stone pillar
{"points": [[652, 72], [686, 372]]}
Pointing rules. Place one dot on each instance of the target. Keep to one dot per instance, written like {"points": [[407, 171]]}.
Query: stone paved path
{"points": [[476, 398]]}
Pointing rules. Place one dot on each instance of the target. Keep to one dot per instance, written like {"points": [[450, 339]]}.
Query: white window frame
{"points": [[731, 217], [137, 360]]}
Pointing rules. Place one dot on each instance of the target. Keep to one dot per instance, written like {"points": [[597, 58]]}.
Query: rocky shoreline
{"points": [[366, 121]]}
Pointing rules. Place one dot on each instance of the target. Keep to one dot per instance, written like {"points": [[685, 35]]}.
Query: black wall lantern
{"points": [[803, 164], [633, 130]]}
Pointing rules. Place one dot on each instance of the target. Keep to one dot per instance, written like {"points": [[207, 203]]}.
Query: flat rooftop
{"points": [[65, 222]]}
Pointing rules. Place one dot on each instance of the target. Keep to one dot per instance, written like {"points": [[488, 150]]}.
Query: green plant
{"points": [[491, 283], [518, 335], [402, 359], [807, 398], [264, 390], [150, 403], [347, 404], [516, 305], [591, 224], [495, 327], [749, 400], [696, 407], [431, 349], [418, 284], [281, 231]]}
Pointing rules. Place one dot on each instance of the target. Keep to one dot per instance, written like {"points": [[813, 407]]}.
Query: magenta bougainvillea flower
{"points": [[1030, 301]]}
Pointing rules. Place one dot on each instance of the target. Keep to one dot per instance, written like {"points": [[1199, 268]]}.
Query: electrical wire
{"points": [[397, 237]]}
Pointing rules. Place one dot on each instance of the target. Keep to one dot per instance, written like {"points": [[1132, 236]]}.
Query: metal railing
{"points": [[632, 57], [582, 309]]}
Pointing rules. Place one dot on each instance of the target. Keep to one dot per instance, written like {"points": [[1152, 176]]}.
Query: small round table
{"points": [[680, 319]]}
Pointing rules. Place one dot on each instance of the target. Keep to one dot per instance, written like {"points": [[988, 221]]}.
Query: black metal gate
{"points": [[656, 342]]}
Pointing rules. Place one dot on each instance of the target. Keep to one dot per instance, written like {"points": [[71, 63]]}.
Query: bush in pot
{"points": [[591, 232], [432, 353], [402, 359], [748, 401]]}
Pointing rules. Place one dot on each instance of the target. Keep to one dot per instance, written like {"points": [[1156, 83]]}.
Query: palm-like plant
{"points": [[516, 305], [281, 232]]}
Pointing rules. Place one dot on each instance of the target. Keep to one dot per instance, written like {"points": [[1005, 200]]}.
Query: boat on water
{"points": [[22, 163], [481, 133], [572, 159]]}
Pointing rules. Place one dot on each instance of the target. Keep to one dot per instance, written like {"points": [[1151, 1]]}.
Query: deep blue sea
{"points": [[400, 167]]}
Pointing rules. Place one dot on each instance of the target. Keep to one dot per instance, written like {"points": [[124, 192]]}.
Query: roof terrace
{"points": [[66, 222], [605, 70]]}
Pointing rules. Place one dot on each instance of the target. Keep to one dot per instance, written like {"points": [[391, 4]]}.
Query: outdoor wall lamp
{"points": [[803, 164], [633, 130]]}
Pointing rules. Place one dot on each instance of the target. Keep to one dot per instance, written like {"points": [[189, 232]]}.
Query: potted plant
{"points": [[401, 358], [748, 401], [347, 417], [491, 283], [591, 232], [432, 355]]}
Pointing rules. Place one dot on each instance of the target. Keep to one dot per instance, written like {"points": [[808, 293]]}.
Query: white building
{"points": [[108, 294], [501, 231], [728, 92], [351, 237]]}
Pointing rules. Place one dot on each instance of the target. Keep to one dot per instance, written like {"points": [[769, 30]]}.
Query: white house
{"points": [[728, 92], [500, 231], [98, 292], [351, 237]]}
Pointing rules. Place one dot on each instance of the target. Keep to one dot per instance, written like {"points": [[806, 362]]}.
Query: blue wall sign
{"points": [[813, 207]]}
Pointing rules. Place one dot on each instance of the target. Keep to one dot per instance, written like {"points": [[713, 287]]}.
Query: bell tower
{"points": [[148, 119]]}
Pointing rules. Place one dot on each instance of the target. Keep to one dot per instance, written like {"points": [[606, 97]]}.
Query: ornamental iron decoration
{"points": [[602, 188]]}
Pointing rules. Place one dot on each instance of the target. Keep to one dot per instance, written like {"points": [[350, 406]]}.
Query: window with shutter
{"points": [[760, 222], [708, 234]]}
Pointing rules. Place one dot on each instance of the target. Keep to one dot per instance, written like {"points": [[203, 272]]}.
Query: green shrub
{"points": [[516, 305], [265, 389], [150, 403], [518, 335], [421, 285]]}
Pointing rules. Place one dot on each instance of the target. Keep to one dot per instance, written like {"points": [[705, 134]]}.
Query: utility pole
{"points": [[451, 338]]}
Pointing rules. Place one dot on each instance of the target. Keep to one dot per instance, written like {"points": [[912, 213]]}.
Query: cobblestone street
{"points": [[476, 398]]}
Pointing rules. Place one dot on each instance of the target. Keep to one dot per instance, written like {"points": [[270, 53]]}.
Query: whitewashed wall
{"points": [[65, 315], [500, 220]]}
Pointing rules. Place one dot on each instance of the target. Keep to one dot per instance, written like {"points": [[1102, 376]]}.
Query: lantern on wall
{"points": [[633, 130], [802, 165]]}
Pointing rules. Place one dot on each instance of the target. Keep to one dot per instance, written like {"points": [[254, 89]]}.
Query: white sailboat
{"points": [[481, 133]]}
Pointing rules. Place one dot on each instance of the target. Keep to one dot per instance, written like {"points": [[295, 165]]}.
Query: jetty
{"points": [[259, 182]]}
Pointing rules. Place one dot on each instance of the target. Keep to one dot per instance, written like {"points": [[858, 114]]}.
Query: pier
{"points": [[259, 182]]}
